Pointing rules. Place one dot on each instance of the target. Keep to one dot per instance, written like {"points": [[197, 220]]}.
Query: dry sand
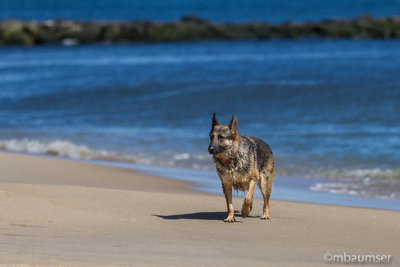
{"points": [[55, 211]]}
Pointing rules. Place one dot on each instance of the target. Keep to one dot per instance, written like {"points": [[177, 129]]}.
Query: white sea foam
{"points": [[357, 189], [65, 148], [182, 156], [57, 147], [368, 182], [366, 173]]}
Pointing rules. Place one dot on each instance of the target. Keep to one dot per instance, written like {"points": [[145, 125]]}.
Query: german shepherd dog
{"points": [[241, 162]]}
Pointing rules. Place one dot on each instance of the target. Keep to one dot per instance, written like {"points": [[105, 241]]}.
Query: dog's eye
{"points": [[220, 137]]}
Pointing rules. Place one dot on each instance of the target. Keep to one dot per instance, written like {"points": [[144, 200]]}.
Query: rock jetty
{"points": [[189, 28]]}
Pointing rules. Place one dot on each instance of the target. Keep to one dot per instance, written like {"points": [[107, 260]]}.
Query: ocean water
{"points": [[275, 11], [328, 108]]}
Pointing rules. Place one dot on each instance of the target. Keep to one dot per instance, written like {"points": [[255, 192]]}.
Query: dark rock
{"points": [[194, 19], [15, 33], [91, 32], [189, 28]]}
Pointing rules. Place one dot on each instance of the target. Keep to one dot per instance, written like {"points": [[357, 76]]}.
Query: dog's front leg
{"points": [[227, 187], [249, 199]]}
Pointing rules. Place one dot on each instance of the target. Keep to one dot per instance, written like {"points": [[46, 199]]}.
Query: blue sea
{"points": [[328, 108], [274, 11]]}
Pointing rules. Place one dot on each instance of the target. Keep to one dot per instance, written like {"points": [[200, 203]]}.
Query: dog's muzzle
{"points": [[212, 149]]}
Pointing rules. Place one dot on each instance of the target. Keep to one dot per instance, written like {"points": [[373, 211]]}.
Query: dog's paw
{"points": [[264, 217], [245, 210], [230, 219]]}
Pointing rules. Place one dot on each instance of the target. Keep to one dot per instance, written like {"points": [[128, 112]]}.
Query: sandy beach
{"points": [[55, 211]]}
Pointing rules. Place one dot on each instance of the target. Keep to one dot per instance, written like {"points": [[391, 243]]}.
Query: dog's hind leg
{"points": [[227, 187], [248, 201], [265, 184]]}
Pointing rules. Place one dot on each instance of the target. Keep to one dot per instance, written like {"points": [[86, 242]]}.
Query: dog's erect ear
{"points": [[214, 121], [234, 124], [233, 127]]}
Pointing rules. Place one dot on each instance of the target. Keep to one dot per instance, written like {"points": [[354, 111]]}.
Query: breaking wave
{"points": [[68, 149], [369, 182], [61, 148], [355, 189], [362, 173]]}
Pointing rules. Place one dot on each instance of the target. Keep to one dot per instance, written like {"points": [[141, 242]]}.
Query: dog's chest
{"points": [[235, 174]]}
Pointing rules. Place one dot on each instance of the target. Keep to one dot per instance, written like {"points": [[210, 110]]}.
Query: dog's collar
{"points": [[224, 162]]}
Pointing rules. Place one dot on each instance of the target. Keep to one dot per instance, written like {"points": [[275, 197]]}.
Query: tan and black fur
{"points": [[241, 162]]}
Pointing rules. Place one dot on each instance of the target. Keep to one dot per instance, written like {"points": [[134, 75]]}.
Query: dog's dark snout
{"points": [[211, 149]]}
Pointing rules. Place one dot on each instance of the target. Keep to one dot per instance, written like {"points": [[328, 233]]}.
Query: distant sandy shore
{"points": [[55, 211]]}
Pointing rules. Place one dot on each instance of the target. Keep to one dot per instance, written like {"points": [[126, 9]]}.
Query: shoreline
{"points": [[286, 188], [190, 28], [56, 211], [293, 189]]}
